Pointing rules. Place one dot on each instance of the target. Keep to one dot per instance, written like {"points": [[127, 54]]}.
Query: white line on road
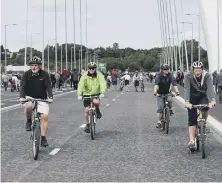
{"points": [[54, 151]]}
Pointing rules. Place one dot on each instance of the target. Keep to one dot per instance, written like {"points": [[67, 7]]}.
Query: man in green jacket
{"points": [[92, 83]]}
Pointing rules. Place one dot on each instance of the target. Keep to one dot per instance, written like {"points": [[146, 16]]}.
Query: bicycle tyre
{"points": [[202, 139], [163, 120], [91, 116], [36, 139], [167, 120]]}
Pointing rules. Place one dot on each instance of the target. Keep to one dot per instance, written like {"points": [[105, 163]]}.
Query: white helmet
{"points": [[197, 64]]}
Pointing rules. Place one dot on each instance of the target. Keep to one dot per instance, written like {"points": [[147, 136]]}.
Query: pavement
{"points": [[216, 112], [127, 146]]}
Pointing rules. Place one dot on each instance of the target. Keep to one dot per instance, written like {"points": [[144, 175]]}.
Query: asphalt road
{"points": [[128, 147]]}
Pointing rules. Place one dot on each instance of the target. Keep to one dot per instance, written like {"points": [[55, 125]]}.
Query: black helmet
{"points": [[35, 60], [165, 67]]}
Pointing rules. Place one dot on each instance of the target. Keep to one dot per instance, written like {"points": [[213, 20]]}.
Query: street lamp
{"points": [[48, 53], [5, 43], [71, 56], [31, 43], [191, 42], [198, 33], [56, 57], [43, 23], [74, 32]]}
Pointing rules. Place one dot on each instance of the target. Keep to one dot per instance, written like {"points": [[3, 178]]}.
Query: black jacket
{"points": [[193, 91], [36, 86]]}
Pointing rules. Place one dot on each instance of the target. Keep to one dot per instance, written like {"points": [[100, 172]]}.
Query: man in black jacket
{"points": [[198, 89], [36, 83]]}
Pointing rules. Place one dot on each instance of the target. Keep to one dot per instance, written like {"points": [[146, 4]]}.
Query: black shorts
{"points": [[114, 82], [192, 113], [126, 82], [136, 83], [86, 102]]}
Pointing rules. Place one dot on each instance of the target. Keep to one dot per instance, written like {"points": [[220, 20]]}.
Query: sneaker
{"points": [[87, 129], [191, 144], [28, 126], [44, 142], [159, 124]]}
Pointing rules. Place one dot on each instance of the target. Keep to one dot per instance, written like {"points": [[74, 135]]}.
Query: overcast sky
{"points": [[131, 23]]}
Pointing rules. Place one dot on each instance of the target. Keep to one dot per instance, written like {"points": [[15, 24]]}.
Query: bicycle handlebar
{"points": [[34, 100], [90, 97], [200, 106]]}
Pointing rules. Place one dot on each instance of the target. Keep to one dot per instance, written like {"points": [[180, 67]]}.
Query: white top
{"points": [[126, 77]]}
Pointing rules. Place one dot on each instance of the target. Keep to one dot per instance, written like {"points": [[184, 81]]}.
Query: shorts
{"points": [[126, 82], [160, 103], [192, 113], [114, 82], [43, 107], [86, 102], [136, 83]]}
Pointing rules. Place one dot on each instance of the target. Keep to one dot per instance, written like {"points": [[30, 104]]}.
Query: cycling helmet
{"points": [[92, 64], [165, 67], [197, 64], [35, 60]]}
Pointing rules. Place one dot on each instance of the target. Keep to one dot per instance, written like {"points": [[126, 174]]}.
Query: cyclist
{"points": [[198, 89], [136, 78], [126, 78], [36, 83], [92, 83], [163, 81]]}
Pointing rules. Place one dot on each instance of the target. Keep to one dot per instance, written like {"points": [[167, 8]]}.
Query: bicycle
{"points": [[166, 112], [122, 84], [36, 127], [200, 130], [92, 117]]}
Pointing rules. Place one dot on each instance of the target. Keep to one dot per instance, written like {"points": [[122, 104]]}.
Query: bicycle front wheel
{"points": [[92, 125], [36, 139], [167, 120], [202, 138]]}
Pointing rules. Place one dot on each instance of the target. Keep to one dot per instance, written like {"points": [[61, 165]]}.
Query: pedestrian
{"points": [[215, 80], [219, 85]]}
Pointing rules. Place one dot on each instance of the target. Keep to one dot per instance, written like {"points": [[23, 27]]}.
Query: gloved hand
{"points": [[79, 98], [101, 96]]}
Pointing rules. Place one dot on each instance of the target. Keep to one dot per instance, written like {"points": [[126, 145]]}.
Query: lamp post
{"points": [[43, 49], [31, 43], [56, 58], [48, 53], [71, 56], [191, 41], [198, 33], [5, 43]]}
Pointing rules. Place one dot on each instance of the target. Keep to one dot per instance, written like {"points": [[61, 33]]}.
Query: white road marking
{"points": [[55, 151], [114, 100], [117, 96]]}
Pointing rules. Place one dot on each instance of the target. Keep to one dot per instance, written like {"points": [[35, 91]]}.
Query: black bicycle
{"points": [[92, 117], [36, 127], [200, 130], [166, 112]]}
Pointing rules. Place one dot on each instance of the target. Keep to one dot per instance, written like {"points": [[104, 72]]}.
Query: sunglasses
{"points": [[92, 68]]}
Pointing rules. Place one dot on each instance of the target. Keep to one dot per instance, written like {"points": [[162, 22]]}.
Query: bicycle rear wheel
{"points": [[92, 125], [202, 138], [36, 139], [167, 120]]}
